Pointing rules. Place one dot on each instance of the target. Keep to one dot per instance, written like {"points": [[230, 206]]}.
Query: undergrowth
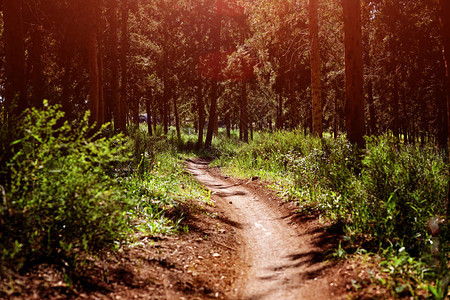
{"points": [[73, 191], [388, 196]]}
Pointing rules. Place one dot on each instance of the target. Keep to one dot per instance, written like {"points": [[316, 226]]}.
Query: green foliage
{"points": [[402, 274], [385, 196], [159, 186], [61, 202], [405, 186], [74, 192], [390, 191]]}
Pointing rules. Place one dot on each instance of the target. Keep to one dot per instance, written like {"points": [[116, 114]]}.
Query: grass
{"points": [[384, 198], [73, 191], [62, 176]]}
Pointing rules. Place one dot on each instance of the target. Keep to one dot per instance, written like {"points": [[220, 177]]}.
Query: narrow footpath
{"points": [[283, 258]]}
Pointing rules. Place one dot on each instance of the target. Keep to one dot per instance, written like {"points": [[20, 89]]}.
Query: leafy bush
{"points": [[405, 187], [158, 187], [388, 192], [61, 201], [384, 196]]}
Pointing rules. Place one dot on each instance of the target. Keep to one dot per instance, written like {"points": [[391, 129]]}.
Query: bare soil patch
{"points": [[285, 252]]}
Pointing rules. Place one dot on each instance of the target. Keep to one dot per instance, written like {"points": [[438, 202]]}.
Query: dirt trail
{"points": [[283, 260]]}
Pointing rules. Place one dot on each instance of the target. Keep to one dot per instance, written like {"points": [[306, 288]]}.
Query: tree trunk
{"points": [[372, 113], [336, 116], [442, 124], [201, 113], [35, 58], [101, 96], [155, 113], [135, 112], [114, 57], [148, 110], [244, 116], [293, 115], [243, 108], [315, 68], [215, 36], [124, 64], [165, 108], [395, 113], [354, 106], [15, 94], [228, 124], [279, 120], [177, 117], [92, 45], [251, 129], [444, 6], [212, 113]]}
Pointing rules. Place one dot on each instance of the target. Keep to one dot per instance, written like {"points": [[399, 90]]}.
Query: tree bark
{"points": [[243, 104], [92, 44], [101, 96], [442, 124], [177, 117], [201, 113], [279, 119], [444, 6], [165, 108], [35, 58], [444, 9], [115, 79], [228, 124], [148, 110], [124, 65], [354, 106], [215, 36], [370, 103], [315, 68], [244, 116], [14, 42], [395, 113]]}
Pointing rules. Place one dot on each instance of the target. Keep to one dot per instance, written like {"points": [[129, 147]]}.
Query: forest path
{"points": [[282, 257]]}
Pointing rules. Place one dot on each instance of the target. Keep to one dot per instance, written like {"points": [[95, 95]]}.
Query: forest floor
{"points": [[249, 245]]}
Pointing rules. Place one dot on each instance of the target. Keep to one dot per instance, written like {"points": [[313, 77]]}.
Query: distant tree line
{"points": [[358, 67]]}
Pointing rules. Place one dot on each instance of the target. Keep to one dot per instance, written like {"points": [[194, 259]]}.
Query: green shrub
{"points": [[388, 192], [62, 201], [405, 187]]}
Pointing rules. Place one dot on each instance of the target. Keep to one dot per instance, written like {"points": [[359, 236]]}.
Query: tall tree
{"points": [[243, 127], [444, 6], [124, 49], [201, 112], [315, 68], [215, 36], [114, 57], [354, 106], [14, 41], [35, 60], [243, 113], [93, 59]]}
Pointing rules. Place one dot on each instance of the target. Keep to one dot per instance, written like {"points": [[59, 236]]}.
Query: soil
{"points": [[249, 245], [284, 253]]}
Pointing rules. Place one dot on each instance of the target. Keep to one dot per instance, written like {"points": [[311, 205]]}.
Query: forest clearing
{"points": [[230, 149]]}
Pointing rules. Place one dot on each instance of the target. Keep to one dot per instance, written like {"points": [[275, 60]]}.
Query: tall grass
{"points": [[389, 196]]}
